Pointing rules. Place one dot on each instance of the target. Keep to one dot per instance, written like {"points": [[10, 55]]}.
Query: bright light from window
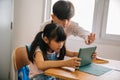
{"points": [[113, 22]]}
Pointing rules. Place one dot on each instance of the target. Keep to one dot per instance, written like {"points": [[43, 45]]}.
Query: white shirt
{"points": [[73, 29]]}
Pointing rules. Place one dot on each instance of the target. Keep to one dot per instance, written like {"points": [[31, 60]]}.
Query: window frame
{"points": [[99, 22]]}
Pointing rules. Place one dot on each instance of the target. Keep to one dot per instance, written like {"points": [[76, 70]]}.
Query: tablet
{"points": [[86, 55]]}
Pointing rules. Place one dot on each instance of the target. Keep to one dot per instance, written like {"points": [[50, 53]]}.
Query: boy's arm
{"points": [[71, 54], [79, 31]]}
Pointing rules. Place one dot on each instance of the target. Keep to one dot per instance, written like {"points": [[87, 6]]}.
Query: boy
{"points": [[63, 11]]}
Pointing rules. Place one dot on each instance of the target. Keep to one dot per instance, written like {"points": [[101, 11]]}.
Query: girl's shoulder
{"points": [[37, 50]]}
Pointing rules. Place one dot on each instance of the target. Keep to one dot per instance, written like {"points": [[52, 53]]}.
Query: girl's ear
{"points": [[46, 40]]}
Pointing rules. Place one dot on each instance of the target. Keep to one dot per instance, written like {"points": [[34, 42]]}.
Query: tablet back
{"points": [[86, 55]]}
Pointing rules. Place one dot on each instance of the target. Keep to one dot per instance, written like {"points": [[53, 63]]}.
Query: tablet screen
{"points": [[86, 55]]}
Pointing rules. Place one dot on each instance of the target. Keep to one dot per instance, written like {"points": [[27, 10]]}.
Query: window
{"points": [[98, 16], [110, 22], [113, 17]]}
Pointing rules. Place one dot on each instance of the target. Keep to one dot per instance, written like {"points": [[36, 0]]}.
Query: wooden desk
{"points": [[78, 75]]}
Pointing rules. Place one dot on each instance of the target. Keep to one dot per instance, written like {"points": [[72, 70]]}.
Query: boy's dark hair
{"points": [[63, 9], [51, 31]]}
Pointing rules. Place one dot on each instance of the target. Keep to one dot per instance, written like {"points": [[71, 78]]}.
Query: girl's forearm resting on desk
{"points": [[73, 62], [45, 64], [42, 65]]}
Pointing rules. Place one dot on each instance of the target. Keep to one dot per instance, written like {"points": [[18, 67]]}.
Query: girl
{"points": [[48, 50]]}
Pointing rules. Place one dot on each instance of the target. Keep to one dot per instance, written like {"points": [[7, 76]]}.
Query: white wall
{"points": [[28, 14], [5, 38], [27, 17], [103, 50]]}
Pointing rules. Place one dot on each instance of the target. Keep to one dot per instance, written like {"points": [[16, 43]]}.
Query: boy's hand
{"points": [[90, 39]]}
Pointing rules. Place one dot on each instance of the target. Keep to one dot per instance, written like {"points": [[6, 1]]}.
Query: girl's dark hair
{"points": [[51, 31], [63, 9]]}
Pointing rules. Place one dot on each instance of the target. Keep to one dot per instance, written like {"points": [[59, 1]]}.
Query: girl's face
{"points": [[56, 46]]}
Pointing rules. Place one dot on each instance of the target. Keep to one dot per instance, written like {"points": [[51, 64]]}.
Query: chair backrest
{"points": [[20, 58]]}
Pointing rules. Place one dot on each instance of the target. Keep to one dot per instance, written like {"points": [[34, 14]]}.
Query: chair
{"points": [[20, 58]]}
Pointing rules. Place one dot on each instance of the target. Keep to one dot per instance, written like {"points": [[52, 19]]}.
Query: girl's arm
{"points": [[71, 54], [75, 54], [45, 64]]}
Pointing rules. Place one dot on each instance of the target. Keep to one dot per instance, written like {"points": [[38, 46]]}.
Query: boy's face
{"points": [[65, 23]]}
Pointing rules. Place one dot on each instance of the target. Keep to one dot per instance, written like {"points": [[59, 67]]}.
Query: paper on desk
{"points": [[69, 68], [113, 64]]}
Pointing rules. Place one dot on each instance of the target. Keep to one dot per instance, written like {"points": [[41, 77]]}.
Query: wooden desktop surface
{"points": [[67, 74]]}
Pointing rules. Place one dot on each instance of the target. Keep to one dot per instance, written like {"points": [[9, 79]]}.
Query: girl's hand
{"points": [[94, 55], [73, 62]]}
